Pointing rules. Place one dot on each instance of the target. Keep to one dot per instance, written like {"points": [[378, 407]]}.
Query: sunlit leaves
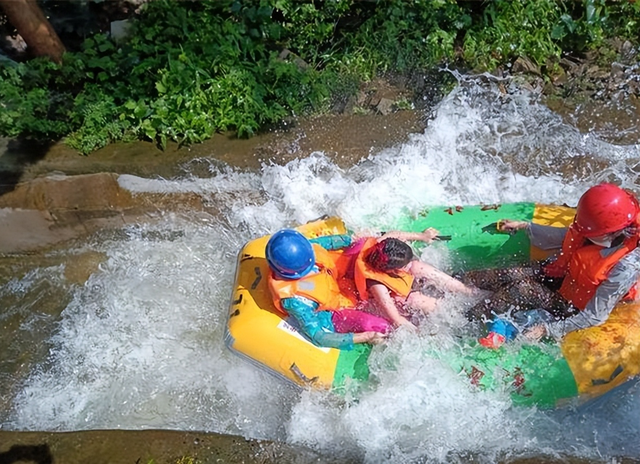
{"points": [[190, 69]]}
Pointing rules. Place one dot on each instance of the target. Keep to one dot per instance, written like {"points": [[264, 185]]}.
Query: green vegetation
{"points": [[514, 28], [193, 68]]}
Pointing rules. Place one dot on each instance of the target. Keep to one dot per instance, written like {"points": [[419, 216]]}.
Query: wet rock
{"points": [[382, 95], [596, 72], [569, 64], [617, 71], [54, 209], [628, 53], [22, 230], [385, 106], [157, 446], [525, 65], [92, 191], [78, 269], [559, 76], [498, 72]]}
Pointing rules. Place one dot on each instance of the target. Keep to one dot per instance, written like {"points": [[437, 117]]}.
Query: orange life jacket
{"points": [[588, 266], [323, 287], [398, 282]]}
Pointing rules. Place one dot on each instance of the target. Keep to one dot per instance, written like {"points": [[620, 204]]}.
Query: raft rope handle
{"points": [[255, 283], [303, 378], [617, 371]]}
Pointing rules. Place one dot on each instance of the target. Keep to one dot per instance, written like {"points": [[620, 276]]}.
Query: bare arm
{"points": [[441, 280], [387, 305], [426, 235], [369, 337]]}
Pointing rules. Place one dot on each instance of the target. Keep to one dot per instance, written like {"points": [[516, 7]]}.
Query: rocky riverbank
{"points": [[598, 92], [47, 194], [146, 447], [61, 195]]}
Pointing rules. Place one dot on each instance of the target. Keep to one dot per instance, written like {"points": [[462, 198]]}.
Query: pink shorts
{"points": [[351, 320]]}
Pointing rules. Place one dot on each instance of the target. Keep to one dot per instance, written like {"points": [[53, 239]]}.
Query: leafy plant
{"points": [[30, 108], [624, 20], [512, 28], [190, 69], [406, 35], [100, 124], [583, 27]]}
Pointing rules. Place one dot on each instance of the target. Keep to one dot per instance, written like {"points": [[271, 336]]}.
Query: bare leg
{"points": [[424, 303], [441, 280], [518, 287]]}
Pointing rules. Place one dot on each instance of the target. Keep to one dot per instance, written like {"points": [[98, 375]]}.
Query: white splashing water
{"points": [[140, 345]]}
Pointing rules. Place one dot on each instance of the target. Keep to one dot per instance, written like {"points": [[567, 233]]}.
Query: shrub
{"points": [[511, 28], [192, 68]]}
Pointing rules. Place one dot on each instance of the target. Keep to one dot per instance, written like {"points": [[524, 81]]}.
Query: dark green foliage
{"points": [[543, 29], [623, 19], [584, 27], [405, 35], [29, 106], [189, 70], [513, 28], [192, 68]]}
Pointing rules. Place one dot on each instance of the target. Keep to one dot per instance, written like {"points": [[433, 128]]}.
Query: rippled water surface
{"points": [[140, 344]]}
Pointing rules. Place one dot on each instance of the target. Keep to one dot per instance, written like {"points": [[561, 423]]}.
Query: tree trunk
{"points": [[31, 23]]}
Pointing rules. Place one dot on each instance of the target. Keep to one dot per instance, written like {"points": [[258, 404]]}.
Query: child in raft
{"points": [[299, 268], [387, 275], [304, 284]]}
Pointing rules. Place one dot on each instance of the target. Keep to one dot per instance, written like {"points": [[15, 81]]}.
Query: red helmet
{"points": [[605, 208]]}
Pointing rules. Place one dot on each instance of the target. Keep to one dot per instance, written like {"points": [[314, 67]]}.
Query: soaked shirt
{"points": [[620, 280], [609, 293], [546, 237], [317, 325]]}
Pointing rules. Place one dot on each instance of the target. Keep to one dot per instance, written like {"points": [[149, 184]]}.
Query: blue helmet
{"points": [[290, 254]]}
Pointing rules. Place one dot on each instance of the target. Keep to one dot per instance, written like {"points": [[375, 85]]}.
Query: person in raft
{"points": [[388, 276], [304, 281], [599, 260]]}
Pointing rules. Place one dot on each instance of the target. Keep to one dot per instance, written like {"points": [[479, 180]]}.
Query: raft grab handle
{"points": [[303, 378]]}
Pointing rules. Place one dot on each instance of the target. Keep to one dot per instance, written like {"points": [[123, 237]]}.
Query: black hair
{"points": [[390, 254]]}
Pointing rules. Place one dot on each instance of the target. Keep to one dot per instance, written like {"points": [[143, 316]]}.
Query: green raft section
{"points": [[475, 242], [532, 374], [352, 365]]}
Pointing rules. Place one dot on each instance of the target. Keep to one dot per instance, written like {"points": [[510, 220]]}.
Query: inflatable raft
{"points": [[588, 363]]}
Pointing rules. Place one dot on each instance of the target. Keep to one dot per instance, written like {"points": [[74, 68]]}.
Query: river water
{"points": [[140, 344]]}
